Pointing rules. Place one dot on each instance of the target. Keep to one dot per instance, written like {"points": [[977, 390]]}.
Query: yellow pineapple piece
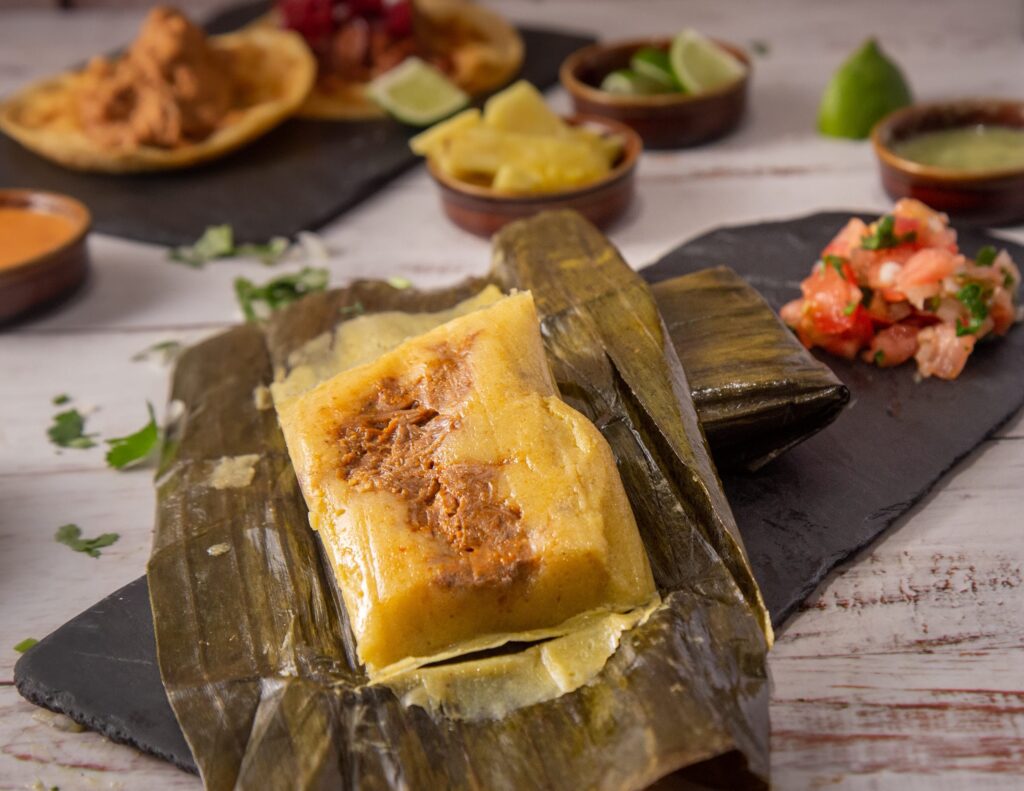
{"points": [[521, 108]]}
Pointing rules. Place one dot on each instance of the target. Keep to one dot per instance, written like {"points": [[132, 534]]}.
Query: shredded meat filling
{"points": [[170, 88], [393, 446]]}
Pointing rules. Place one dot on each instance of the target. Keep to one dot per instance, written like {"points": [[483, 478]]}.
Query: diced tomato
{"points": [[1001, 310], [930, 227], [847, 240], [885, 311], [831, 296], [921, 277], [941, 352], [893, 346]]}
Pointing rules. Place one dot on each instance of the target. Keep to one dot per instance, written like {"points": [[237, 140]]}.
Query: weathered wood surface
{"points": [[906, 670]]}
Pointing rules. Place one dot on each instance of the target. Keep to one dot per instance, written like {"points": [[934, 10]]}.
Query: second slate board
{"points": [[800, 516], [297, 177]]}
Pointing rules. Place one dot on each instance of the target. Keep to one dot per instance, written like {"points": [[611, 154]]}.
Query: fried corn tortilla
{"points": [[272, 72], [485, 50]]}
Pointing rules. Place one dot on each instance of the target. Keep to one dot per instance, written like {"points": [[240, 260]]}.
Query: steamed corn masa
{"points": [[517, 145], [458, 497]]}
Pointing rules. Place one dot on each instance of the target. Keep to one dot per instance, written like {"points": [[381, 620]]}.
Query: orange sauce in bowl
{"points": [[26, 233]]}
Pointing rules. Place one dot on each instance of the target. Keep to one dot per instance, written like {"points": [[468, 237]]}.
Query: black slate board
{"points": [[297, 177], [799, 516]]}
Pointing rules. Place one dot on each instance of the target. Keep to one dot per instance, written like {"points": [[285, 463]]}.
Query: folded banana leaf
{"points": [[251, 635], [757, 390]]}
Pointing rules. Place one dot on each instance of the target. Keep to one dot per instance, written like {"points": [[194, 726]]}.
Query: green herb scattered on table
{"points": [[71, 535], [25, 644], [68, 430], [133, 448], [218, 241], [260, 301], [60, 400], [167, 351]]}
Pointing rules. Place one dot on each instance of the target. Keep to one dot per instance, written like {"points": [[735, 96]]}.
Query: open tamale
{"points": [[254, 641], [757, 390]]}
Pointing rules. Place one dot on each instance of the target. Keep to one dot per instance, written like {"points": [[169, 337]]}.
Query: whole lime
{"points": [[865, 88]]}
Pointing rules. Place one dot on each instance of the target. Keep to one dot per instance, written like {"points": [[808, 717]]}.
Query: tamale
{"points": [[253, 643], [459, 500], [757, 390]]}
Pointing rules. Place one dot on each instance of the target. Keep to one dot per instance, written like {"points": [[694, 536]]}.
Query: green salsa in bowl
{"points": [[965, 157]]}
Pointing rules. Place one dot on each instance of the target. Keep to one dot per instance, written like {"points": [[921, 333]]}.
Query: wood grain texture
{"points": [[906, 670]]}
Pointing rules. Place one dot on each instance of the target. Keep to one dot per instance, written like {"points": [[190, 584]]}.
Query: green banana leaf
{"points": [[252, 642], [757, 390]]}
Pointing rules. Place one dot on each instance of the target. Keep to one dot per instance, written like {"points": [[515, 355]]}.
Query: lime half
{"points": [[654, 64], [631, 83], [416, 93], [701, 65]]}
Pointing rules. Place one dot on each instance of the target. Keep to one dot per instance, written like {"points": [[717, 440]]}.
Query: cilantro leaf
{"points": [[972, 297], [167, 350], [68, 430], [1008, 280], [836, 262], [884, 235], [879, 357], [985, 256], [71, 536], [849, 309], [125, 451], [60, 400], [260, 301], [217, 241], [25, 644], [268, 254]]}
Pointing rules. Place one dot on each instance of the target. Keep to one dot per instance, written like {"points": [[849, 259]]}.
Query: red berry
{"points": [[399, 19]]}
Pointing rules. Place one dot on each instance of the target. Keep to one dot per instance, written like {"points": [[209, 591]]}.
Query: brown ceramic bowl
{"points": [[53, 273], [482, 211], [991, 197], [668, 120]]}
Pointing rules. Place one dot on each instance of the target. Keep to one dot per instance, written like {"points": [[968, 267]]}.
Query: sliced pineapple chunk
{"points": [[521, 108], [432, 140]]}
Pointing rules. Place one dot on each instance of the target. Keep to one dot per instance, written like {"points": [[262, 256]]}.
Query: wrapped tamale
{"points": [[255, 641], [460, 501], [757, 390]]}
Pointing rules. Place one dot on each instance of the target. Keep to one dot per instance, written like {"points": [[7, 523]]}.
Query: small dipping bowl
{"points": [[482, 211], [666, 120], [989, 197], [43, 252]]}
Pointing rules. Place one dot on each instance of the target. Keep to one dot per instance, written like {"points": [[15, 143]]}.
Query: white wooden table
{"points": [[905, 670]]}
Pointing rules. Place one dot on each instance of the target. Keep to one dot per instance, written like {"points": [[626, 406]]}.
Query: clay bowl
{"points": [[482, 211], [670, 120], [53, 273], [988, 197]]}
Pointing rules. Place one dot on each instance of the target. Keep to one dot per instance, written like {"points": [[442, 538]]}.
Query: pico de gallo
{"points": [[900, 288]]}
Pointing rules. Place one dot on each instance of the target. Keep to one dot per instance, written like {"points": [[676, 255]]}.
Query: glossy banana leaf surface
{"points": [[252, 641], [757, 390]]}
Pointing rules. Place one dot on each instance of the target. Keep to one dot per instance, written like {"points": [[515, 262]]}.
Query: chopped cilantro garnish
{"points": [[71, 535], [1008, 280], [760, 47], [218, 241], [884, 235], [60, 400], [68, 430], [972, 298], [125, 451], [276, 293], [166, 350], [401, 283], [355, 309], [836, 262], [25, 644], [849, 309], [879, 357], [985, 256]]}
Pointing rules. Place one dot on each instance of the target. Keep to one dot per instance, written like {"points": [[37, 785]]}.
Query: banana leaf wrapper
{"points": [[258, 661], [757, 390]]}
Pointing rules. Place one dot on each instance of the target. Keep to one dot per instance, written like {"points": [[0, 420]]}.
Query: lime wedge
{"points": [[701, 65], [627, 81], [653, 63], [416, 93], [865, 88]]}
